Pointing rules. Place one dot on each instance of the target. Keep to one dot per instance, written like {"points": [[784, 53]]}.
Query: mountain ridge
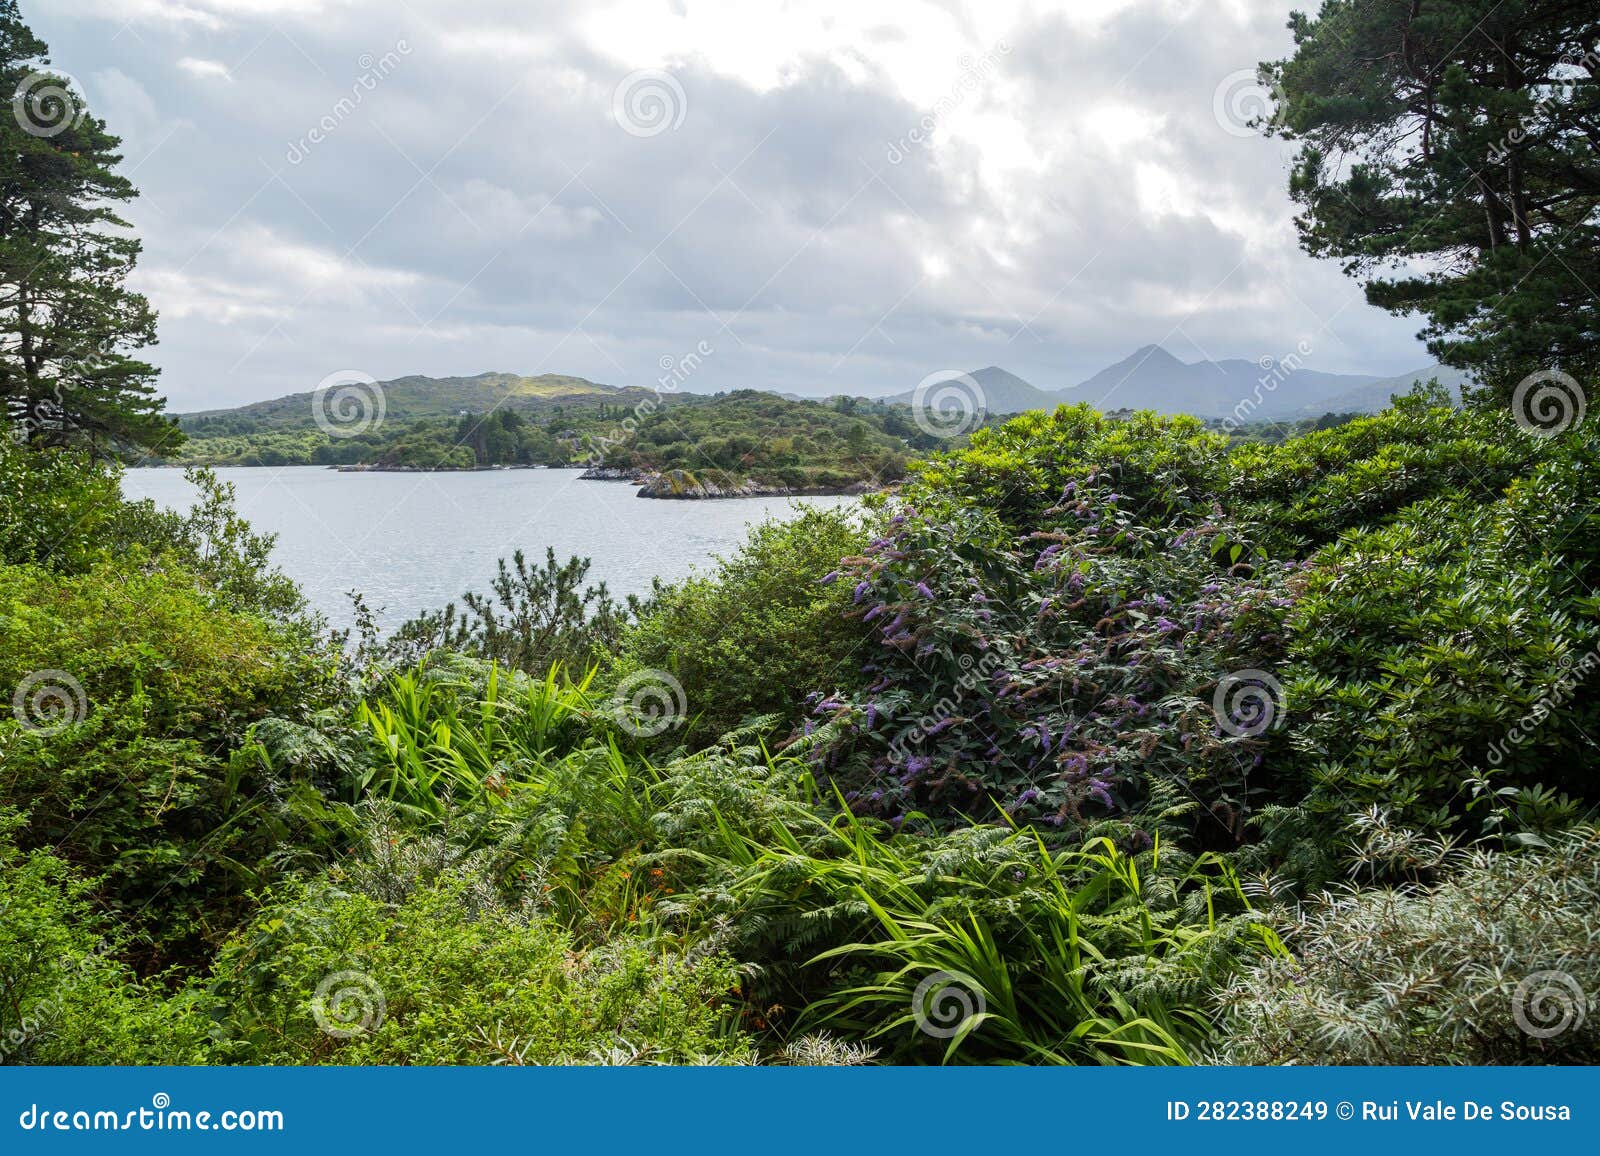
{"points": [[1151, 377]]}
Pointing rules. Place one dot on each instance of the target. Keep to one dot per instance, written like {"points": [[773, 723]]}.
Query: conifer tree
{"points": [[68, 323], [1450, 157]]}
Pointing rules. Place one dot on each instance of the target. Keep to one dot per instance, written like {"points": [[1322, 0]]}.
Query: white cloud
{"points": [[856, 193], [206, 69]]}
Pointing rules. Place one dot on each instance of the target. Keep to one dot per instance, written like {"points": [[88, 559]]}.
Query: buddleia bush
{"points": [[1067, 667], [1499, 963]]}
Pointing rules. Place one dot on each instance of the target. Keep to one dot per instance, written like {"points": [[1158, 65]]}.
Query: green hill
{"points": [[502, 419], [416, 396]]}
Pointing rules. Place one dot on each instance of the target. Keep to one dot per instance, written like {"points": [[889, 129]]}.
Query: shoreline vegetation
{"points": [[682, 485], [1067, 741], [742, 443]]}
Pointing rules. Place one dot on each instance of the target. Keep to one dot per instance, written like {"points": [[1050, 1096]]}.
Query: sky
{"points": [[817, 197]]}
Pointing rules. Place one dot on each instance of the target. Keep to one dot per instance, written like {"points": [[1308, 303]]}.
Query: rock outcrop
{"points": [[612, 474]]}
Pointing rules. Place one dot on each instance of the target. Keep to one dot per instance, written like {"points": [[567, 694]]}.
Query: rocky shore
{"points": [[612, 474], [685, 486]]}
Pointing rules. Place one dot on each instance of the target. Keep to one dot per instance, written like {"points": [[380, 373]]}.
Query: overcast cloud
{"points": [[448, 188]]}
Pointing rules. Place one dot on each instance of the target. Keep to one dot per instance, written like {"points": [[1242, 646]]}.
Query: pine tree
{"points": [[1450, 157], [67, 321]]}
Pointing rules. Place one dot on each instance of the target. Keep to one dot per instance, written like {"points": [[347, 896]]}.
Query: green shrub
{"points": [[752, 637], [65, 995], [439, 969], [55, 506], [137, 688], [1305, 491], [1018, 470], [537, 617], [1440, 665], [212, 542]]}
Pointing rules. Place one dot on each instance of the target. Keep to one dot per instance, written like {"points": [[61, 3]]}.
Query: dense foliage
{"points": [[1495, 965], [715, 633], [1027, 763]]}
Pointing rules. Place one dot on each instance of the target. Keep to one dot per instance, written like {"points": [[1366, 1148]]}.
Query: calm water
{"points": [[411, 542]]}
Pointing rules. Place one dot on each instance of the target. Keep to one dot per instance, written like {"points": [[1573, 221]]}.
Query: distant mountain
{"points": [[1152, 378], [1003, 392], [406, 398], [1376, 395]]}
